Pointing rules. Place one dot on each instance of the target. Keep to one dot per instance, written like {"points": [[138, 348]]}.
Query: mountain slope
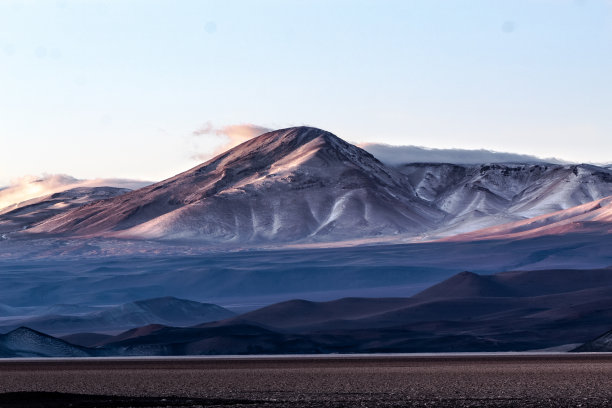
{"points": [[522, 310], [25, 342], [479, 196], [166, 310], [510, 311], [300, 313], [21, 216], [594, 218], [287, 185], [303, 184], [601, 344], [546, 296]]}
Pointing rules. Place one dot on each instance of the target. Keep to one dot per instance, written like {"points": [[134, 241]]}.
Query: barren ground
{"points": [[559, 380]]}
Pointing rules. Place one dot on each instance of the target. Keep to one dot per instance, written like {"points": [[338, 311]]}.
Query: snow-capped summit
{"points": [[304, 184], [292, 184]]}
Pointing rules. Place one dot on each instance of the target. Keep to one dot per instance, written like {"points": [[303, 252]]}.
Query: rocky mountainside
{"points": [[307, 185], [23, 215], [287, 185], [479, 196], [593, 218]]}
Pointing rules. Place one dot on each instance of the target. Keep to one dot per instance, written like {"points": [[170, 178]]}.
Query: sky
{"points": [[99, 89]]}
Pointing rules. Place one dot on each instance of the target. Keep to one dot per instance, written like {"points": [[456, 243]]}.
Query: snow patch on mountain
{"points": [[593, 217], [481, 196], [283, 186], [304, 185]]}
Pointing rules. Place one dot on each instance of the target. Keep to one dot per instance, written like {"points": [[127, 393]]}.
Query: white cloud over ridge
{"points": [[229, 136], [396, 155], [29, 187]]}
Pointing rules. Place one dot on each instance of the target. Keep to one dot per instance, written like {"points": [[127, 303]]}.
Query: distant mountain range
{"points": [[300, 213], [511, 311], [283, 186], [166, 310], [302, 185], [25, 214]]}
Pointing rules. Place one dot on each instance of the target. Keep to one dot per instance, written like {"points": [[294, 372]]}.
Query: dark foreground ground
{"points": [[389, 381]]}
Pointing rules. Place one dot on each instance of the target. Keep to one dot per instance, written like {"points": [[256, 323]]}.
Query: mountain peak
{"points": [[26, 342], [466, 284], [270, 147], [299, 183], [298, 134], [23, 330]]}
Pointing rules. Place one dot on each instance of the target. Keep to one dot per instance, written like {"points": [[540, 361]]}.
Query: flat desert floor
{"points": [[506, 380]]}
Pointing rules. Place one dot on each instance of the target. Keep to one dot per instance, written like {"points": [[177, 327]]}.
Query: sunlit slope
{"points": [[591, 218], [480, 196]]}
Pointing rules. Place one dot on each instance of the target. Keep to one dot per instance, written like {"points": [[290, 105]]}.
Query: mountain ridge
{"points": [[163, 310], [253, 192], [306, 185], [520, 310]]}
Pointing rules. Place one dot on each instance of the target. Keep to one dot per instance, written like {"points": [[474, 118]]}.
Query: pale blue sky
{"points": [[116, 88]]}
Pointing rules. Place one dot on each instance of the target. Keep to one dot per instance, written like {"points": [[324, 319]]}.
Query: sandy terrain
{"points": [[442, 381]]}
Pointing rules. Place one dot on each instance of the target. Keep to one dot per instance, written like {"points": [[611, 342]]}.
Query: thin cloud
{"points": [[29, 187], [229, 136], [396, 155]]}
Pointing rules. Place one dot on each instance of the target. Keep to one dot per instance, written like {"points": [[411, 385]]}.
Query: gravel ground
{"points": [[414, 381]]}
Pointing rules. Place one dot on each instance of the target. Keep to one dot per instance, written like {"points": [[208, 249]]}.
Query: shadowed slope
{"points": [[546, 309], [602, 343], [299, 313], [467, 284], [25, 342], [165, 310]]}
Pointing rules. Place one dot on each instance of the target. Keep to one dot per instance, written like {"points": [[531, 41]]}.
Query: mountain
{"points": [[86, 339], [479, 196], [510, 311], [166, 310], [299, 313], [518, 310], [235, 339], [602, 343], [519, 283], [307, 185], [25, 342], [512, 300], [593, 218], [25, 214], [468, 284], [286, 185]]}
